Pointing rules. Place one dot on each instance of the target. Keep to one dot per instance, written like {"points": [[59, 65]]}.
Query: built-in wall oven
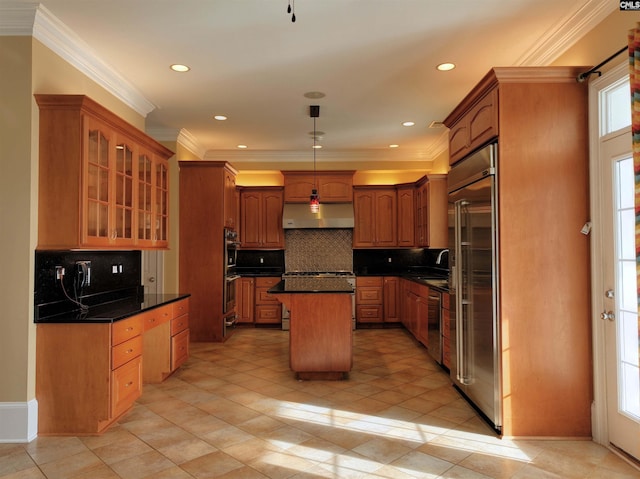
{"points": [[230, 278]]}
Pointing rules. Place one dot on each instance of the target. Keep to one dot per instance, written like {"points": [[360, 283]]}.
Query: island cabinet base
{"points": [[320, 335]]}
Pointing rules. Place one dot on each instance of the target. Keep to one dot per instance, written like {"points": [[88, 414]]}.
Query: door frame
{"points": [[599, 422]]}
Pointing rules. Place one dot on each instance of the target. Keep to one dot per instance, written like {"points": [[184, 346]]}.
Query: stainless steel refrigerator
{"points": [[473, 248]]}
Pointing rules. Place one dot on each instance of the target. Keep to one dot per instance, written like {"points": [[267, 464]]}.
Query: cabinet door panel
{"points": [[364, 210], [126, 386], [386, 213], [179, 349], [272, 231], [406, 217], [251, 219]]}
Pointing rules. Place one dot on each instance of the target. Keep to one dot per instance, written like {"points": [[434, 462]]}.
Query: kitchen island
{"points": [[320, 334]]}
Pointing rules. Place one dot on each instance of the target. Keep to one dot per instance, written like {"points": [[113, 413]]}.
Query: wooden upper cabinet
{"points": [[474, 128], [261, 218], [94, 188], [431, 212], [332, 186], [230, 203], [375, 211], [406, 216]]}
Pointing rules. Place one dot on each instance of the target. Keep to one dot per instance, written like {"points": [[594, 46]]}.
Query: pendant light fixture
{"points": [[314, 199], [292, 10]]}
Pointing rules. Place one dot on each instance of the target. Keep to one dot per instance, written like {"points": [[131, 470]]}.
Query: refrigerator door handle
{"points": [[460, 357]]}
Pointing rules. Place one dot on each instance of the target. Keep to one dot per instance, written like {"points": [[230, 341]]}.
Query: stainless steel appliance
{"points": [[229, 279], [475, 333], [348, 275]]}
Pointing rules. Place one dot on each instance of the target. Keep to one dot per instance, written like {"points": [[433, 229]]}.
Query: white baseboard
{"points": [[18, 421]]}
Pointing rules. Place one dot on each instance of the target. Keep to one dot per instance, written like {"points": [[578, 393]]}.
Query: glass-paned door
{"points": [[615, 282], [97, 186], [124, 192], [145, 195], [161, 212]]}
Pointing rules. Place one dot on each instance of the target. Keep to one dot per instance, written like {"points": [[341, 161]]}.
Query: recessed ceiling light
{"points": [[316, 146], [394, 146], [242, 146], [176, 67], [314, 95], [220, 117], [445, 67], [408, 123]]}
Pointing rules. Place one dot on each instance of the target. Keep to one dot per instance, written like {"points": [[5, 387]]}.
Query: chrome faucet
{"points": [[439, 258]]}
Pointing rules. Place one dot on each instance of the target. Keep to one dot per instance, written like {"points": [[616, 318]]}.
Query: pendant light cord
{"points": [[315, 181]]}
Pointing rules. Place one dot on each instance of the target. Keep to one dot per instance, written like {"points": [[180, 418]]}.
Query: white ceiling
{"points": [[374, 59]]}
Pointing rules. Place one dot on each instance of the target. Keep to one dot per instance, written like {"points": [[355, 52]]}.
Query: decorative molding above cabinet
{"points": [[102, 182]]}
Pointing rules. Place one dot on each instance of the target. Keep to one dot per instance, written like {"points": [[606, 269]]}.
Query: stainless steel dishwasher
{"points": [[434, 325]]}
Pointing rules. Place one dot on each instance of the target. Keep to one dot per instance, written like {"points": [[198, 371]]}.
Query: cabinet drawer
{"points": [[368, 295], [179, 349], [179, 324], [125, 352], [369, 313], [268, 314], [179, 308], [262, 297], [266, 281], [156, 316], [363, 281], [126, 329], [126, 386]]}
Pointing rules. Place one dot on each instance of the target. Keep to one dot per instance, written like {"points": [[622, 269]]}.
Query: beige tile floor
{"points": [[236, 411]]}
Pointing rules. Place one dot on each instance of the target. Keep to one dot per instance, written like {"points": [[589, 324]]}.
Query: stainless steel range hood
{"points": [[331, 215]]}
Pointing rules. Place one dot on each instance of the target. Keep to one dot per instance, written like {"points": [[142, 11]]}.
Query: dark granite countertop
{"points": [[115, 310], [312, 285]]}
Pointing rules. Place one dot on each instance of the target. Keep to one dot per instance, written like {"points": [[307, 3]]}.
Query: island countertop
{"points": [[312, 285]]}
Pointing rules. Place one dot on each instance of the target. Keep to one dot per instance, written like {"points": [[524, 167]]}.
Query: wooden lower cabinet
{"points": [[90, 374], [268, 310], [446, 331], [161, 327], [369, 299], [390, 298], [245, 300], [414, 309]]}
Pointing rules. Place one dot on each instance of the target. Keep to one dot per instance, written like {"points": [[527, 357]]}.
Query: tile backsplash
{"points": [[113, 274], [318, 250]]}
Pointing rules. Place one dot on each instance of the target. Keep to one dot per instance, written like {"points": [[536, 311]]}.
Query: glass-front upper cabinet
{"points": [[98, 186], [102, 183]]}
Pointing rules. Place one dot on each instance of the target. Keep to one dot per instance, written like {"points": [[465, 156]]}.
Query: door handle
{"points": [[607, 315]]}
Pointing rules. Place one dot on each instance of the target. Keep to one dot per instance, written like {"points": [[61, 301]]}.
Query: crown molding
{"points": [[564, 34], [439, 146], [182, 136], [24, 19]]}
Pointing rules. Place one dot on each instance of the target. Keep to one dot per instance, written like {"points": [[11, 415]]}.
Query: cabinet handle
{"points": [[129, 329], [129, 351], [130, 383]]}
